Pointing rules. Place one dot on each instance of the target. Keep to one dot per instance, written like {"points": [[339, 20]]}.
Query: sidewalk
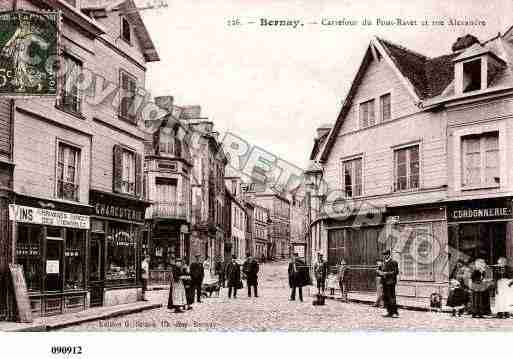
{"points": [[64, 320]]}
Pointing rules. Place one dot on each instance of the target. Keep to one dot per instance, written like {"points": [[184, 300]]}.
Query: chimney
{"points": [[464, 42], [165, 103], [323, 130]]}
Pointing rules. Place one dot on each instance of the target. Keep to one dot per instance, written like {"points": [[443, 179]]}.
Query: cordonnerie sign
{"points": [[28, 53]]}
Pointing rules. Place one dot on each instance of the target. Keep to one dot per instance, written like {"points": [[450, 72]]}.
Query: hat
{"points": [[386, 252]]}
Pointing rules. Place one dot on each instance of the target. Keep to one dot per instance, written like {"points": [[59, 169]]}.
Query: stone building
{"points": [[168, 167], [77, 206]]}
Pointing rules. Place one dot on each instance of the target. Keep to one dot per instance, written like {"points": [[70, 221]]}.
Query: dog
{"points": [[208, 290], [435, 302], [319, 300]]}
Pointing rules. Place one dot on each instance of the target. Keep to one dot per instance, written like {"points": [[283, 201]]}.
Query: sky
{"points": [[273, 86]]}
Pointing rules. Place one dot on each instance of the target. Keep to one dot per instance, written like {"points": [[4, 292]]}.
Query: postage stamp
{"points": [[28, 45]]}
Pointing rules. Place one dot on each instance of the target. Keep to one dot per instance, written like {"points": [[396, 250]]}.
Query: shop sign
{"points": [[348, 208], [110, 210], [48, 217], [483, 211], [21, 294]]}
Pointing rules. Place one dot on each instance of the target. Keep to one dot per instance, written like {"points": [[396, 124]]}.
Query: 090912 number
{"points": [[68, 350]]}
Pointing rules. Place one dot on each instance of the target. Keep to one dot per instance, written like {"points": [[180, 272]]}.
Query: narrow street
{"points": [[273, 311]]}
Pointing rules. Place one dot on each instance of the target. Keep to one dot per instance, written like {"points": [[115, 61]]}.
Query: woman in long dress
{"points": [[504, 290], [177, 295], [209, 278], [480, 290]]}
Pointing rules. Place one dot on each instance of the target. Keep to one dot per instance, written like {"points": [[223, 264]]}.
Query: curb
{"points": [[113, 314], [75, 321]]}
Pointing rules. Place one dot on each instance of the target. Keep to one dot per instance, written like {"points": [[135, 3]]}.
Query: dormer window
{"points": [[125, 30], [476, 69], [472, 75]]}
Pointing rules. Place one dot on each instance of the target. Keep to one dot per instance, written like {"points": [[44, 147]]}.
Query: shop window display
{"points": [[28, 252], [121, 253]]}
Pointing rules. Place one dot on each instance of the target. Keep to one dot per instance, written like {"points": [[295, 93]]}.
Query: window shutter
{"points": [[138, 174], [117, 173]]}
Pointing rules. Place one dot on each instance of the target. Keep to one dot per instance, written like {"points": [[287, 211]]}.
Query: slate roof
{"points": [[429, 76]]}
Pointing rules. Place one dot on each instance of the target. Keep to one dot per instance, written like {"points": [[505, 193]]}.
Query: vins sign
{"points": [[48, 217]]}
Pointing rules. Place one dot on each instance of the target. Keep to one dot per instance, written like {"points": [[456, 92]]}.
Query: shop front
{"points": [[51, 246], [117, 232], [480, 229], [355, 237], [418, 238]]}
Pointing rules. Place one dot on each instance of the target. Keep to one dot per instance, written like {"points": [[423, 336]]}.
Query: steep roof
{"points": [[429, 76], [424, 77]]}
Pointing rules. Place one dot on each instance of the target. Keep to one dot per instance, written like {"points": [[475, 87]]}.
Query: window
{"points": [[121, 265], [480, 160], [352, 177], [128, 172], [127, 96], [125, 30], [416, 258], [385, 107], [166, 145], [367, 114], [472, 75], [166, 190], [407, 168], [70, 94], [28, 254], [68, 160]]}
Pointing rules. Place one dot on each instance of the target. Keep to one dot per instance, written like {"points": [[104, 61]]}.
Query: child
{"points": [[331, 283], [458, 297]]}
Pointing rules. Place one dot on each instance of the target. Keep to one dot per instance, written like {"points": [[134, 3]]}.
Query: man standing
{"points": [[389, 272], [145, 275], [321, 272], [250, 269], [197, 278], [233, 277], [298, 276]]}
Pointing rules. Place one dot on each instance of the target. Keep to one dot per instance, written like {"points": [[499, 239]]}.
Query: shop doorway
{"points": [[96, 264], [54, 254], [470, 241]]}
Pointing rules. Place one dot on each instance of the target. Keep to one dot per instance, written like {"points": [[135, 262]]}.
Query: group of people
{"points": [[387, 271], [473, 284], [188, 282]]}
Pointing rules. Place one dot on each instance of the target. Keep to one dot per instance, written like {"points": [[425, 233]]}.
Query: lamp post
{"points": [[313, 177]]}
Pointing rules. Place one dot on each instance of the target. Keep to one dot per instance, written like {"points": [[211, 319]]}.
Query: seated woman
{"points": [[458, 297]]}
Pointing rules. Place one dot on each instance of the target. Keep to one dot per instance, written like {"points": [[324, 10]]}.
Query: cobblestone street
{"points": [[273, 311]]}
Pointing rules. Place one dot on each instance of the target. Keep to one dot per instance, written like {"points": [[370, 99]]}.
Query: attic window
{"points": [[125, 30], [472, 75]]}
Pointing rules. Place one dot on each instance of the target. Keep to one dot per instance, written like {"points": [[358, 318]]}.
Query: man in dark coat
{"points": [[197, 275], [233, 277], [321, 273], [389, 272], [298, 276], [250, 269]]}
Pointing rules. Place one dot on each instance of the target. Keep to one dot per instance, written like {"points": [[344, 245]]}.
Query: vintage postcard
{"points": [[235, 166]]}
